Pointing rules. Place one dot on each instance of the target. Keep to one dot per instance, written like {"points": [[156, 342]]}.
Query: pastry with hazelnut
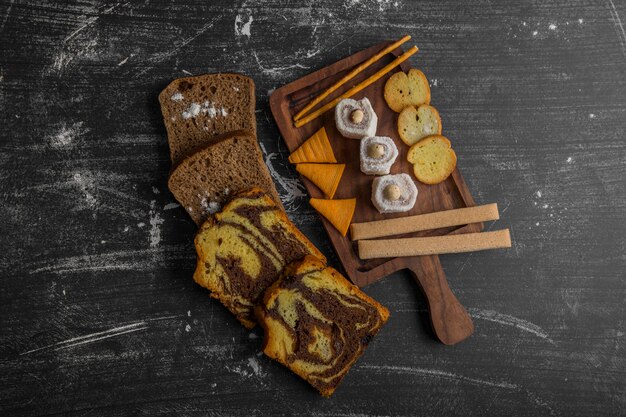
{"points": [[394, 193], [378, 153], [355, 119]]}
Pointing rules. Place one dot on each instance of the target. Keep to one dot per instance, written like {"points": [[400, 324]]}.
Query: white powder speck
{"points": [[177, 96], [253, 336], [523, 23], [188, 313], [213, 385], [209, 109], [187, 328], [592, 116], [155, 225], [192, 111], [155, 190], [243, 28], [126, 229], [236, 88], [103, 242], [569, 160], [86, 184], [64, 292], [545, 206], [254, 364], [190, 209], [170, 206], [187, 72], [538, 193], [537, 224], [141, 224], [552, 26], [66, 136], [226, 191], [580, 21], [535, 33]]}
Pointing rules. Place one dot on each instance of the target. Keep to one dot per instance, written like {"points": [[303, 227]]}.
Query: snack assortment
{"points": [[377, 154], [317, 323], [255, 261], [394, 193]]}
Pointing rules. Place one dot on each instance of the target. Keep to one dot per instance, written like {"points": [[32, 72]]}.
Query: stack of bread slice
{"points": [[246, 243]]}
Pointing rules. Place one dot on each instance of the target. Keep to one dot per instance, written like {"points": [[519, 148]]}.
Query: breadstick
{"points": [[402, 225], [349, 76], [435, 245], [364, 84]]}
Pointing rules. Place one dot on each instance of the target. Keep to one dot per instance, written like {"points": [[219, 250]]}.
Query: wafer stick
{"points": [[364, 84], [434, 245], [349, 76], [402, 225]]}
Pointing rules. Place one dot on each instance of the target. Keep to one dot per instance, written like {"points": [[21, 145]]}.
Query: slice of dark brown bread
{"points": [[198, 109], [204, 181]]}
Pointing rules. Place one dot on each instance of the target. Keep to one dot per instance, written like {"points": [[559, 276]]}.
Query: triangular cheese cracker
{"points": [[338, 212], [325, 176], [315, 149]]}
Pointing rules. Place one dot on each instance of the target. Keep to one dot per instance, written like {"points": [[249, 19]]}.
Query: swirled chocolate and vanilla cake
{"points": [[317, 323], [244, 248]]}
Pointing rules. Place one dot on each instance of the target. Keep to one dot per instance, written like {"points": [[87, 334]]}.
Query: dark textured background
{"points": [[99, 315]]}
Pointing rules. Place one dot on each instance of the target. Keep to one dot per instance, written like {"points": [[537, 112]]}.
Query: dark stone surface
{"points": [[99, 315]]}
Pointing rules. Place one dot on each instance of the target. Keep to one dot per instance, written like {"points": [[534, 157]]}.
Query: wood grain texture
{"points": [[99, 315]]}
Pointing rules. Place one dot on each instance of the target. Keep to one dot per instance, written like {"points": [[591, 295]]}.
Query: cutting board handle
{"points": [[450, 321]]}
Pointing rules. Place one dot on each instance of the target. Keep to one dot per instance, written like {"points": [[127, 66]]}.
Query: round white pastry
{"points": [[355, 119], [394, 193], [377, 153]]}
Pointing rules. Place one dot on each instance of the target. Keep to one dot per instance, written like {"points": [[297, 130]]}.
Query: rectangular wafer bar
{"points": [[402, 225], [434, 245]]}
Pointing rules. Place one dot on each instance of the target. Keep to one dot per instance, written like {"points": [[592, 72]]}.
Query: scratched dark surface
{"points": [[99, 315]]}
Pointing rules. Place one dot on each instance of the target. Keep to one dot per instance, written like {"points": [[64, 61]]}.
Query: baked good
{"points": [[415, 124], [394, 193], [338, 212], [317, 323], [203, 181], [315, 149], [377, 155], [244, 248], [433, 159], [325, 176], [355, 119], [197, 109], [402, 90]]}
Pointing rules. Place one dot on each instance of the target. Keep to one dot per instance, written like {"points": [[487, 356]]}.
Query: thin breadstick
{"points": [[434, 245], [349, 76], [364, 84], [402, 225]]}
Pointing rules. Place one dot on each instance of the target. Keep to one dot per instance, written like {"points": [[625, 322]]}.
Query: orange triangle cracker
{"points": [[315, 149], [325, 176], [338, 212]]}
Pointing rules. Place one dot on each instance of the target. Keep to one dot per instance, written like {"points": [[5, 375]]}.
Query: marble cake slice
{"points": [[317, 323], [204, 181], [198, 109], [243, 249]]}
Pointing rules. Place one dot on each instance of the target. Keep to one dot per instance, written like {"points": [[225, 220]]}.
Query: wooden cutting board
{"points": [[449, 319]]}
